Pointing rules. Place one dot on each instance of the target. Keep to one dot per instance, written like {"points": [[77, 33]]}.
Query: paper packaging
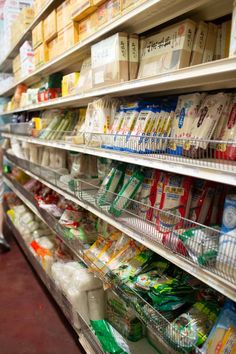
{"points": [[50, 26], [170, 49], [85, 79], [217, 52], [225, 38], [68, 37], [87, 26], [16, 63], [52, 48], [63, 15], [110, 60], [113, 9], [232, 49], [133, 56], [41, 55], [38, 35], [81, 9], [210, 43], [199, 43], [69, 83]]}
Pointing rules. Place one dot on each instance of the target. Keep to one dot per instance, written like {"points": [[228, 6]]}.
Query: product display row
{"points": [[181, 213], [143, 274]]}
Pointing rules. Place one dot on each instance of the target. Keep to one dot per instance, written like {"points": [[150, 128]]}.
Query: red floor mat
{"points": [[30, 321]]}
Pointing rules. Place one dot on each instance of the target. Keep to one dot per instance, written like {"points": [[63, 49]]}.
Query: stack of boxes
{"points": [[22, 22], [39, 45]]}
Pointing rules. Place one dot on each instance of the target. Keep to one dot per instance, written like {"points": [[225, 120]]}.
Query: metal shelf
{"points": [[6, 63], [86, 336], [220, 284], [147, 15], [213, 170], [220, 74]]}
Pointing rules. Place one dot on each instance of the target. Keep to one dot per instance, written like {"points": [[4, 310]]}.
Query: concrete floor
{"points": [[30, 321]]}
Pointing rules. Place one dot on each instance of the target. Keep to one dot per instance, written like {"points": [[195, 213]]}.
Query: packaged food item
{"points": [[111, 184], [38, 35], [228, 133], [41, 55], [82, 9], [85, 78], [69, 83], [205, 123], [222, 338], [96, 304], [87, 26], [202, 196], [133, 43], [126, 128], [123, 318], [113, 9], [68, 37], [63, 15], [155, 195], [210, 45], [128, 251], [170, 49], [185, 114], [223, 119], [227, 244], [145, 192], [232, 49], [175, 202], [225, 38], [110, 60], [127, 192], [192, 328], [217, 52], [199, 43], [50, 26]]}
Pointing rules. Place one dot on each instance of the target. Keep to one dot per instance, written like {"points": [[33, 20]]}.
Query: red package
{"points": [[201, 203], [175, 202], [155, 195]]}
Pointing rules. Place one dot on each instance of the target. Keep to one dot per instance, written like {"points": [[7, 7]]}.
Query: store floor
{"points": [[30, 321]]}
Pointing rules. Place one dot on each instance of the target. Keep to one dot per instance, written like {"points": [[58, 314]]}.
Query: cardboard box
{"points": [[38, 35], [225, 38], [16, 63], [68, 37], [50, 26], [110, 60], [170, 49], [52, 49], [102, 15], [113, 9], [133, 51], [81, 9], [199, 43], [69, 83], [41, 55], [64, 15], [88, 26], [26, 15]]}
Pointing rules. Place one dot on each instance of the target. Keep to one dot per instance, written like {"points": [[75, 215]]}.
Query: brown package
{"points": [[133, 56], [110, 60], [199, 43], [169, 49], [210, 43]]}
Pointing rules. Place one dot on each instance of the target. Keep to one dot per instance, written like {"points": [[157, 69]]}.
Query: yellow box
{"points": [[113, 9], [68, 37], [50, 26], [26, 15], [41, 55], [82, 8], [16, 64], [17, 75], [52, 49], [88, 26], [69, 83], [38, 35], [64, 15]]}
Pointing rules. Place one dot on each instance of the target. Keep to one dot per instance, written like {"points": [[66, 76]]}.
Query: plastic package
{"points": [[96, 304]]}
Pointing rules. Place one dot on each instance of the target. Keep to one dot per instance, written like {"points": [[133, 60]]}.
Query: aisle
{"points": [[30, 322]]}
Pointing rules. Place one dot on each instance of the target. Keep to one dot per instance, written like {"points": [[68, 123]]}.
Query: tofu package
{"points": [[110, 63], [170, 49]]}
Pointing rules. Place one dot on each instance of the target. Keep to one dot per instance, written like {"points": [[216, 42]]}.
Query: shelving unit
{"points": [[210, 76], [138, 230]]}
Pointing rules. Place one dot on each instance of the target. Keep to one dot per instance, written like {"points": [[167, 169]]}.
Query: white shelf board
{"points": [[147, 15], [208, 170], [6, 63], [219, 74], [222, 285]]}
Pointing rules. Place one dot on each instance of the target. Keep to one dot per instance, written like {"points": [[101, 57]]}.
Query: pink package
{"points": [[175, 201], [155, 195]]}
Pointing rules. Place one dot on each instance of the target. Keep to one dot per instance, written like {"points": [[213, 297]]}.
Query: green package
{"points": [[127, 192], [111, 341], [111, 184]]}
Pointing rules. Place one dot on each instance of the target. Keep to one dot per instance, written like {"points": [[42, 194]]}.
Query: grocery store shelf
{"points": [[209, 169], [6, 64], [140, 19], [222, 285], [220, 74], [52, 223]]}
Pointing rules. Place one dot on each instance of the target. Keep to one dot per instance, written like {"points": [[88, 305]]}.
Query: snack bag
{"points": [[155, 195], [175, 202]]}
